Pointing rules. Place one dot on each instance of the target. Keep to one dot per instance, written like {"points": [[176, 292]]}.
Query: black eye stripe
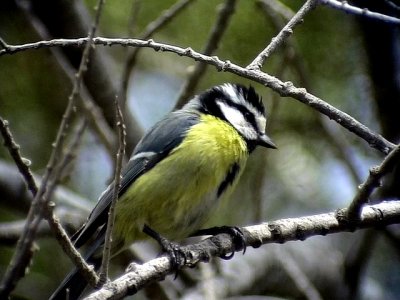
{"points": [[247, 114]]}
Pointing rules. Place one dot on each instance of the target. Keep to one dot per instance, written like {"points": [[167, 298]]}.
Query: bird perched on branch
{"points": [[178, 173]]}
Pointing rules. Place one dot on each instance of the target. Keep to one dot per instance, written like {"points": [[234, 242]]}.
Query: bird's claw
{"points": [[175, 252]]}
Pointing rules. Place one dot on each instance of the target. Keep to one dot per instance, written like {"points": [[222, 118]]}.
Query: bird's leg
{"points": [[236, 233], [178, 257]]}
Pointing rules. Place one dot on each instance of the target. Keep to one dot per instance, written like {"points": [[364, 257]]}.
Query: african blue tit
{"points": [[184, 166]]}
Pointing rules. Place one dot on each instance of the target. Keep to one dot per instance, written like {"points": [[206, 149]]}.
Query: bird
{"points": [[186, 165]]}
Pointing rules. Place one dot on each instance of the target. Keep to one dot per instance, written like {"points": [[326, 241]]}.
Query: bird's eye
{"points": [[247, 115]]}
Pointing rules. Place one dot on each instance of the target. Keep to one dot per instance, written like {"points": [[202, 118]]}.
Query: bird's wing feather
{"points": [[154, 146]]}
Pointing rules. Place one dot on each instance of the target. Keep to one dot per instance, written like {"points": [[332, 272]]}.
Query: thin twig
{"points": [[70, 154], [18, 263], [133, 17], [294, 271], [392, 5], [278, 14], [3, 44], [161, 21], [284, 89], [373, 181], [22, 163], [13, 187], [71, 219], [286, 31], [90, 108], [68, 248], [356, 259], [224, 15], [278, 8], [279, 231], [364, 12], [54, 223], [103, 275]]}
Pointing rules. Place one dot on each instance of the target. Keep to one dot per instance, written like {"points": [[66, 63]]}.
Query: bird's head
{"points": [[241, 107]]}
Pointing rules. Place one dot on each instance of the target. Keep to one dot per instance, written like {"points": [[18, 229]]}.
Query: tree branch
{"points": [[39, 207], [22, 163], [165, 17], [91, 109], [224, 15], [258, 62], [372, 182], [294, 271], [284, 89], [279, 231], [350, 9], [14, 194], [103, 275]]}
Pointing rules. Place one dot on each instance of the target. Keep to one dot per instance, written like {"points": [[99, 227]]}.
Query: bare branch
{"points": [[165, 17], [14, 194], [3, 44], [278, 14], [286, 31], [132, 22], [91, 109], [54, 223], [71, 152], [71, 19], [218, 30], [71, 219], [279, 231], [284, 89], [22, 163], [294, 271], [18, 264], [350, 9], [277, 7], [103, 277], [372, 182], [392, 5]]}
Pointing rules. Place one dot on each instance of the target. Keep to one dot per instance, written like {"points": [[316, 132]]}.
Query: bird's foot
{"points": [[235, 232], [176, 254]]}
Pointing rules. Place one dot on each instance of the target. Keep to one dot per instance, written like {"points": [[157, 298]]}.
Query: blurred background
{"points": [[351, 62]]}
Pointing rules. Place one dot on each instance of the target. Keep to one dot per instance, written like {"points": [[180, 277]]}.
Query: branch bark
{"points": [[279, 231], [284, 89]]}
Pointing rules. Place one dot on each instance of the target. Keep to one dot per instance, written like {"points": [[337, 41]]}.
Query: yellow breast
{"points": [[177, 195]]}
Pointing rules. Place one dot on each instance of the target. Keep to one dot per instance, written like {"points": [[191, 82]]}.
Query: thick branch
{"points": [[279, 231]]}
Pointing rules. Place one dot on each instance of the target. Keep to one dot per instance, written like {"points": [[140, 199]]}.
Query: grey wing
{"points": [[153, 147]]}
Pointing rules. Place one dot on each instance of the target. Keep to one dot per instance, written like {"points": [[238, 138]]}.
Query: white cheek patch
{"points": [[237, 120], [261, 122]]}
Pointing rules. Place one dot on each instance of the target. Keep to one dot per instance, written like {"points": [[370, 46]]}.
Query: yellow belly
{"points": [[177, 195]]}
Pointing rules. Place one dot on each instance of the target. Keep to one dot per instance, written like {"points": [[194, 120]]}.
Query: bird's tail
{"points": [[74, 284]]}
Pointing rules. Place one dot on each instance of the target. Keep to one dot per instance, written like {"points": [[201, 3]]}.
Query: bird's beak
{"points": [[265, 141]]}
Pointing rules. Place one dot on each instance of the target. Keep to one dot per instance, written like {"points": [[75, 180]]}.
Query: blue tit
{"points": [[180, 171]]}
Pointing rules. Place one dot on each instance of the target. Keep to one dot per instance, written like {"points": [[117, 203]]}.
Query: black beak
{"points": [[265, 141]]}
